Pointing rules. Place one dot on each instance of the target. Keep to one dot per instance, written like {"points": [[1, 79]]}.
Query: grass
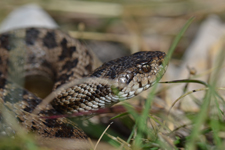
{"points": [[204, 128], [144, 116], [141, 126]]}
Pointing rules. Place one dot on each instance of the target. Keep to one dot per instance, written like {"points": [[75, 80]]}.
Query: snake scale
{"points": [[52, 54]]}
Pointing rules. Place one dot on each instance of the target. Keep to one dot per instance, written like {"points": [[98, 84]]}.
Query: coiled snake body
{"points": [[52, 54]]}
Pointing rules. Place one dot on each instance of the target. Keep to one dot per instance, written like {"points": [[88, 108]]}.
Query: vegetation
{"points": [[129, 23]]}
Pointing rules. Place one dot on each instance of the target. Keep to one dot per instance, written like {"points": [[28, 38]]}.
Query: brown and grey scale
{"points": [[52, 54]]}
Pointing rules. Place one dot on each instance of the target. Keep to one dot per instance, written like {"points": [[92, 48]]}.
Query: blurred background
{"points": [[131, 25], [121, 27]]}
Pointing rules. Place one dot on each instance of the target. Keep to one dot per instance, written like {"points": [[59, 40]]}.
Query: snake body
{"points": [[54, 55]]}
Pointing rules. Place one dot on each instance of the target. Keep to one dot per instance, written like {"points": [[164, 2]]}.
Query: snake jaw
{"points": [[133, 89]]}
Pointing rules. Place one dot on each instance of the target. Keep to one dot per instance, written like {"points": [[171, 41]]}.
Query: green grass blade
{"points": [[187, 81], [141, 122], [202, 115]]}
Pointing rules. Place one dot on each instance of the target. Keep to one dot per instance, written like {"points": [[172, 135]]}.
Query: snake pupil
{"points": [[146, 68]]}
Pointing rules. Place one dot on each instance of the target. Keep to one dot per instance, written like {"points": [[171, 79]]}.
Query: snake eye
{"points": [[146, 68]]}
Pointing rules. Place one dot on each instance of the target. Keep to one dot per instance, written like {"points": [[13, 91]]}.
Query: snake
{"points": [[56, 56]]}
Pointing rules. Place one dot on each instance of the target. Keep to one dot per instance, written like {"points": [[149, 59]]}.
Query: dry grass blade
{"points": [[102, 135]]}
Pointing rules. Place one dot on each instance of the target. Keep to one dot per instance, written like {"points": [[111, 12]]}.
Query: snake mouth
{"points": [[139, 83]]}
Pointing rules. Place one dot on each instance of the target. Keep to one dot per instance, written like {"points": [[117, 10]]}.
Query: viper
{"points": [[55, 56]]}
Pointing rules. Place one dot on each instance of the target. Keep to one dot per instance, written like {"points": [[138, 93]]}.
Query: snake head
{"points": [[135, 73], [128, 75]]}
